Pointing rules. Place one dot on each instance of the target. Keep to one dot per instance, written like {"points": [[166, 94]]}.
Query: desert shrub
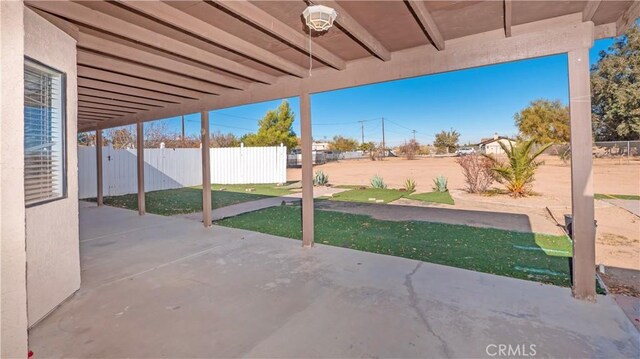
{"points": [[440, 184], [409, 185], [410, 149], [517, 172], [378, 182], [477, 171], [320, 179]]}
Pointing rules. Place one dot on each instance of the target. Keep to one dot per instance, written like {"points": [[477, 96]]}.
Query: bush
{"points": [[320, 179], [440, 184], [410, 149], [478, 173], [378, 182], [409, 185], [517, 173]]}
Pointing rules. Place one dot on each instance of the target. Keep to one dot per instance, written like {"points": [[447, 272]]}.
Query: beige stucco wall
{"points": [[13, 315], [494, 148], [53, 259]]}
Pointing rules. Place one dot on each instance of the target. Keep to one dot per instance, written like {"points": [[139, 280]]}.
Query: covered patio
{"points": [[155, 286], [148, 286]]}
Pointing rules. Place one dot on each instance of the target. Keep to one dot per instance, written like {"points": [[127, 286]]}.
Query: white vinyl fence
{"points": [[167, 168]]}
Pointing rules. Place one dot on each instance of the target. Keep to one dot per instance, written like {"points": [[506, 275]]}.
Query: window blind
{"points": [[44, 133]]}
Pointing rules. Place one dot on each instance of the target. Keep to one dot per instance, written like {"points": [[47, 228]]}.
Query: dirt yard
{"points": [[618, 242]]}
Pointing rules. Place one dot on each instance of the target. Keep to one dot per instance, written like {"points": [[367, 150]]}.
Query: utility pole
{"points": [[362, 127], [182, 138], [384, 147], [414, 134]]}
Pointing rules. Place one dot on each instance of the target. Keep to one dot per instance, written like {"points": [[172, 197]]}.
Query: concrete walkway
{"points": [[157, 287], [476, 218], [246, 207], [630, 205]]}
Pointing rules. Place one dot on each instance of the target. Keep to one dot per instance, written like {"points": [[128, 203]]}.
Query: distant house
{"points": [[320, 146], [491, 146]]}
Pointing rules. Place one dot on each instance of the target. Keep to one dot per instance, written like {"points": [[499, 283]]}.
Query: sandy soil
{"points": [[618, 242]]}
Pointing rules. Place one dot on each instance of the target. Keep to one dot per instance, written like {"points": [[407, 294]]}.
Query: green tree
{"points": [[340, 143], [544, 121], [275, 127], [615, 89], [447, 141], [517, 173]]}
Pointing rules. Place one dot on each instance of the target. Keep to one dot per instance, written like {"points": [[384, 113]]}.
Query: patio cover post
{"points": [[99, 195], [140, 158], [582, 206], [206, 170], [307, 170]]}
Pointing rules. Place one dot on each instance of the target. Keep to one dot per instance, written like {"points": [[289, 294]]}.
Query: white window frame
{"points": [[35, 64]]}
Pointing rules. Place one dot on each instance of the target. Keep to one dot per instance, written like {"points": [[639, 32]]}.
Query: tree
{"points": [[410, 149], [121, 137], [544, 121], [86, 139], [447, 141], [615, 89], [275, 127], [218, 139], [340, 143], [517, 173], [367, 146], [155, 133]]}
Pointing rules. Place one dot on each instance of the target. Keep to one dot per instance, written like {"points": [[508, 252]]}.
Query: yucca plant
{"points": [[440, 184], [378, 182], [320, 179], [518, 171], [409, 185]]}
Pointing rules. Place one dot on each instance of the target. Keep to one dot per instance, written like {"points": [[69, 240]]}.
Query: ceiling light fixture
{"points": [[319, 17]]}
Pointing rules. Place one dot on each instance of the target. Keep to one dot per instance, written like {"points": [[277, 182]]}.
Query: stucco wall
{"points": [[494, 148], [53, 258], [13, 322]]}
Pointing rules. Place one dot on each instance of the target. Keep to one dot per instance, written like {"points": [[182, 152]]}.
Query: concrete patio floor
{"points": [[157, 286]]}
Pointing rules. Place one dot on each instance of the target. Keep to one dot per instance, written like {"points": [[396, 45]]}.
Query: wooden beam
{"points": [[102, 106], [140, 167], [197, 27], [472, 51], [582, 204], [94, 116], [628, 18], [590, 9], [94, 43], [263, 20], [508, 12], [427, 23], [117, 98], [145, 72], [347, 23], [103, 75], [114, 25], [206, 170], [89, 109], [306, 140], [108, 103], [129, 91], [99, 196]]}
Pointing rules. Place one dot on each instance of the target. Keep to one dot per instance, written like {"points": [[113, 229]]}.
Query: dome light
{"points": [[319, 17]]}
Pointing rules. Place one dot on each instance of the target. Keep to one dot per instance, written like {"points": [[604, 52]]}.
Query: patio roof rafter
{"points": [[362, 35], [508, 13], [590, 9], [265, 21], [90, 107], [109, 104], [89, 77], [116, 98], [177, 18], [427, 23], [108, 63], [114, 25]]}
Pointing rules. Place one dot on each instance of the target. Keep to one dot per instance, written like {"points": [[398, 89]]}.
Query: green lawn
{"points": [[357, 194], [179, 201], [434, 197], [536, 257], [363, 195], [263, 189], [617, 196]]}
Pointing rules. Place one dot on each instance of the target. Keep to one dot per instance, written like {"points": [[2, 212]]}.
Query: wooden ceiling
{"points": [[143, 60]]}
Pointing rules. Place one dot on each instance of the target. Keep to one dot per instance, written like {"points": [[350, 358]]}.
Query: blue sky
{"points": [[476, 102]]}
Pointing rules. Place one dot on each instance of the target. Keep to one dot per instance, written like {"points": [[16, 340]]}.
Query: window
{"points": [[44, 134]]}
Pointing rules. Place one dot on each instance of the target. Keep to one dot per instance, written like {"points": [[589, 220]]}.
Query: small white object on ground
{"points": [[372, 199]]}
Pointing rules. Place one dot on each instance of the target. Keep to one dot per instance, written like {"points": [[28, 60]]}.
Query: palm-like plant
{"points": [[517, 173]]}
